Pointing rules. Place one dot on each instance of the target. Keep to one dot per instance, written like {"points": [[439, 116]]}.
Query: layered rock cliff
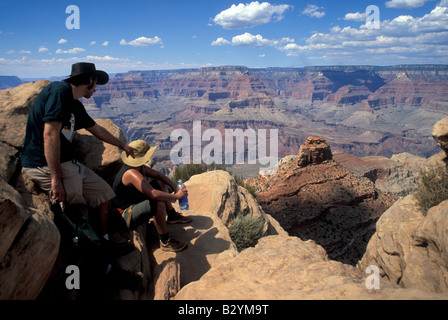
{"points": [[360, 110]]}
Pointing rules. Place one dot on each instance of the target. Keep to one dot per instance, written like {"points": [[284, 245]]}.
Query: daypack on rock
{"points": [[79, 240]]}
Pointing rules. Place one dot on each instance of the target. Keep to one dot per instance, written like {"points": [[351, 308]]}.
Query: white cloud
{"points": [[25, 51], [406, 4], [250, 15], [92, 43], [250, 40], [356, 16], [405, 38], [10, 51], [313, 11], [105, 43], [42, 49], [62, 41], [71, 51], [220, 42], [142, 42]]}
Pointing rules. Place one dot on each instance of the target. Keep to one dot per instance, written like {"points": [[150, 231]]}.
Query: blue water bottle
{"points": [[183, 203]]}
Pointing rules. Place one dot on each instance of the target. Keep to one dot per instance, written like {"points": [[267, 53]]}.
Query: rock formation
{"points": [[440, 134], [397, 175], [409, 246], [314, 197], [314, 151], [287, 268], [29, 237]]}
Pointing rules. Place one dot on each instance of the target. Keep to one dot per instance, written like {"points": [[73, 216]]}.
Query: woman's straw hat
{"points": [[143, 153]]}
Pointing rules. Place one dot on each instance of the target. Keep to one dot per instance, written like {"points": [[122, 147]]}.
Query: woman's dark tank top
{"points": [[125, 195]]}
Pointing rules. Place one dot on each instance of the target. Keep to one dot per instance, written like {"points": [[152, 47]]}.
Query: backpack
{"points": [[79, 241]]}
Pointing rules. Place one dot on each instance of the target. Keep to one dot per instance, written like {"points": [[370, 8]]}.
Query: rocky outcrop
{"points": [[102, 158], [14, 106], [397, 175], [29, 237], [440, 134], [409, 246], [321, 200], [314, 151], [215, 199], [217, 192], [266, 273]]}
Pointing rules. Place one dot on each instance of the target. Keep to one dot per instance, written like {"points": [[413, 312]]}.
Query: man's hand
{"points": [[129, 151], [104, 135], [57, 190], [52, 155]]}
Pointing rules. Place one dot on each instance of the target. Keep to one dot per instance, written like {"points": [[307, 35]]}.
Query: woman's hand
{"points": [[181, 193]]}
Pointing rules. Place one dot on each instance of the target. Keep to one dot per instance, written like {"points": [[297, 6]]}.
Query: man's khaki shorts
{"points": [[82, 185]]}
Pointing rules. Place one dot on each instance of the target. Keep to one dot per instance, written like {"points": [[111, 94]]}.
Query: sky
{"points": [[40, 39]]}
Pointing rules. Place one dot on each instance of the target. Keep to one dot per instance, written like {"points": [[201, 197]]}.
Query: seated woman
{"points": [[138, 200]]}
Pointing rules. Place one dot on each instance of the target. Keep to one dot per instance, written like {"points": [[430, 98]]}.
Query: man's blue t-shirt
{"points": [[54, 103]]}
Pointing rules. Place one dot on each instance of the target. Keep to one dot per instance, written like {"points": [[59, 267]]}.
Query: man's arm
{"points": [[52, 151], [104, 135]]}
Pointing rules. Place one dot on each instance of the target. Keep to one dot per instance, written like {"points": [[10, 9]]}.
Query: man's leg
{"points": [[71, 179], [97, 194], [103, 210]]}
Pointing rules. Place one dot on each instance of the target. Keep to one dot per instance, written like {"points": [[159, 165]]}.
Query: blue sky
{"points": [[119, 36]]}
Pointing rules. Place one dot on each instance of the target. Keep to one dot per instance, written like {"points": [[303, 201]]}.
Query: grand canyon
{"points": [[359, 110], [352, 141]]}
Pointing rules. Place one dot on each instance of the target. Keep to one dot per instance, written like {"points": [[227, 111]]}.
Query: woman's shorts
{"points": [[138, 214]]}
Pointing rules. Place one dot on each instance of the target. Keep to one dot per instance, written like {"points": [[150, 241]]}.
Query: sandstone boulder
{"points": [[214, 200], [209, 244], [103, 158], [218, 193], [15, 104], [409, 248], [29, 237]]}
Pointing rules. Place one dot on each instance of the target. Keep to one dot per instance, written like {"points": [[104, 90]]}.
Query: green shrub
{"points": [[185, 172], [251, 190], [245, 230], [433, 188]]}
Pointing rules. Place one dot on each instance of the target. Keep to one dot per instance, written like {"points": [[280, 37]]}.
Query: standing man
{"points": [[48, 154]]}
